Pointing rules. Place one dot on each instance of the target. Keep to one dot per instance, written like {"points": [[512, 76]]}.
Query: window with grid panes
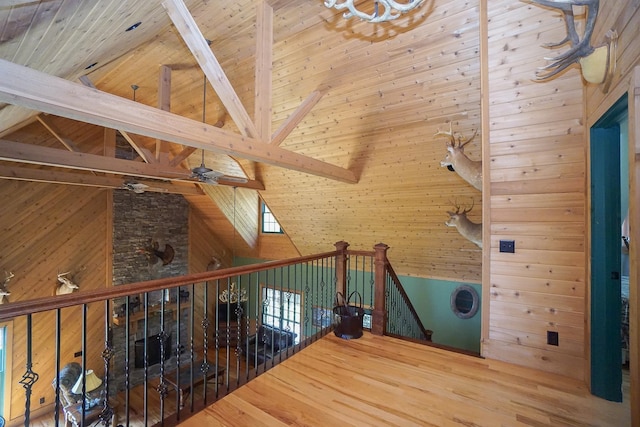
{"points": [[282, 309], [269, 222]]}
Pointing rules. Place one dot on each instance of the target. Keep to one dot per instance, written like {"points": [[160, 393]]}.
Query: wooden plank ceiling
{"points": [[342, 138]]}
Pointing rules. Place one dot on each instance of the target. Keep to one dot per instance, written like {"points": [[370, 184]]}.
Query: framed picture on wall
{"points": [[321, 317]]}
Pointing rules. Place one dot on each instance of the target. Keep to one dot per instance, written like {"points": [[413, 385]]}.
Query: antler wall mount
{"points": [[66, 284], [469, 230], [456, 160], [4, 291], [597, 64]]}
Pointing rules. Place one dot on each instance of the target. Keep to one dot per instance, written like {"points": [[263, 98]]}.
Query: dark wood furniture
{"points": [[184, 386], [230, 333], [230, 328], [73, 414]]}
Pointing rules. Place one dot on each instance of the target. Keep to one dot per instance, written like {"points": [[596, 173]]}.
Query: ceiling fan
{"points": [[209, 176], [136, 187], [202, 173]]}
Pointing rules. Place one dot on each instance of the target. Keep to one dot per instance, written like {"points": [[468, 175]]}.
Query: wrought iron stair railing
{"points": [[199, 337]]}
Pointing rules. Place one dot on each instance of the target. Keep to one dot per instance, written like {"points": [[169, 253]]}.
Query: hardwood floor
{"points": [[137, 416], [382, 381]]}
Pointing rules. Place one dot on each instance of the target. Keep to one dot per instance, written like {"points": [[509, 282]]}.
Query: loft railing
{"points": [[402, 319], [208, 332]]}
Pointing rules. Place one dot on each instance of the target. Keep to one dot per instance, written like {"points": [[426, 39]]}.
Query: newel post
{"points": [[379, 315], [341, 267]]}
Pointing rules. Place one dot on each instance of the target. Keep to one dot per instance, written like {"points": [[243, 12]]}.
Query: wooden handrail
{"points": [[336, 261], [37, 305], [22, 308]]}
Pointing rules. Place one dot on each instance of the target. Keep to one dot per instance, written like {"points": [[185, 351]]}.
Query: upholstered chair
{"points": [[69, 375]]}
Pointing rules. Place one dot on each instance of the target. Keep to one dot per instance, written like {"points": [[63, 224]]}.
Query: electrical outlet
{"points": [[77, 353], [552, 337], [508, 246]]}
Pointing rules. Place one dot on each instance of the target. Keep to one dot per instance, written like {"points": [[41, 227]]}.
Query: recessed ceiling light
{"points": [[90, 65], [134, 26]]}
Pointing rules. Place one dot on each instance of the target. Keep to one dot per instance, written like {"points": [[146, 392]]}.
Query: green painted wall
{"points": [[431, 299]]}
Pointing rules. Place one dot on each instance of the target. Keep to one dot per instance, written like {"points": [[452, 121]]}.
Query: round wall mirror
{"points": [[465, 301]]}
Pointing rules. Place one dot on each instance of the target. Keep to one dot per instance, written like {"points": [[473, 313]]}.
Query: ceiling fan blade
{"points": [[136, 187], [213, 174], [238, 179]]}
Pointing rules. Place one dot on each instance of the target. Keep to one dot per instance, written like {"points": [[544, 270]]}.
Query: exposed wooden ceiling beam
{"points": [[277, 4], [86, 180], [182, 156], [251, 184], [17, 126], [187, 151], [197, 44], [44, 156], [294, 119], [144, 154], [264, 64], [39, 91], [53, 130], [109, 142]]}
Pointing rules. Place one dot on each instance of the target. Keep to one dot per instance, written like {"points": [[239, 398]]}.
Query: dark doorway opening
{"points": [[607, 200]]}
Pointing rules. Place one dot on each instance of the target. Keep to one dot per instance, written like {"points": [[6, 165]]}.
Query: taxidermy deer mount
{"points": [[66, 285], [214, 264], [153, 253], [4, 292], [597, 63], [469, 230], [469, 170]]}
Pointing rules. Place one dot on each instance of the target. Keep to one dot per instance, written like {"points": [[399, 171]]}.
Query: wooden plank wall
{"points": [[537, 196], [625, 19], [203, 245], [247, 241], [48, 229], [403, 193]]}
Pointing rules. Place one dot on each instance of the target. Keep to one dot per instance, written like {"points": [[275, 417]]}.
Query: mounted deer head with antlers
{"points": [[4, 292], [214, 264], [66, 285], [597, 63], [469, 230], [469, 170], [155, 256]]}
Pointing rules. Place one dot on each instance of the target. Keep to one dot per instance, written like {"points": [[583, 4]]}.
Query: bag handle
{"points": [[342, 303], [354, 302]]}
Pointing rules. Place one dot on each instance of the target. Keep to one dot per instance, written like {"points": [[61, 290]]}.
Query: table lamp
{"points": [[91, 383]]}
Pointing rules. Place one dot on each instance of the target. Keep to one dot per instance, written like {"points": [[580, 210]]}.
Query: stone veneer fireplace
{"points": [[138, 219]]}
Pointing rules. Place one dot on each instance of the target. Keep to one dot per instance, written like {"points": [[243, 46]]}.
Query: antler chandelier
{"points": [[390, 9], [233, 294]]}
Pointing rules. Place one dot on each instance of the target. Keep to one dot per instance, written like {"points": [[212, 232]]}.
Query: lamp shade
{"points": [[92, 382]]}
